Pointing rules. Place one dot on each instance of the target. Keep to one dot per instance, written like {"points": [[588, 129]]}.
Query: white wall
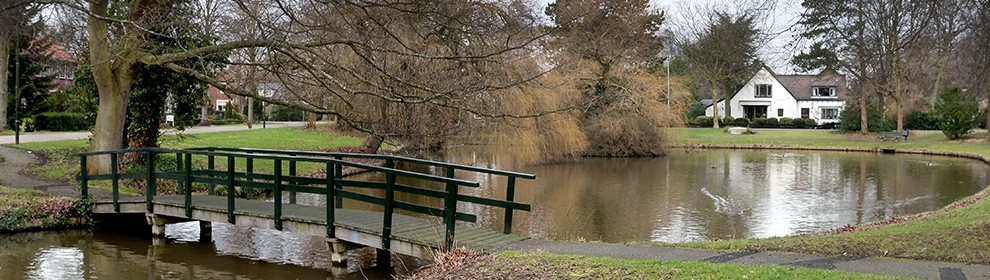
{"points": [[780, 97], [721, 110], [816, 109]]}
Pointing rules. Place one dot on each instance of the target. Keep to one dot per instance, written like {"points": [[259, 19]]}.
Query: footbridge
{"points": [[217, 184]]}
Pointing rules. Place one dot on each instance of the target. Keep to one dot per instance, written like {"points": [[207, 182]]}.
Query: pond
{"points": [[688, 195], [720, 194]]}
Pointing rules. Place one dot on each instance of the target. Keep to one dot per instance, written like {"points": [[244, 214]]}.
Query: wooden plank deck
{"points": [[412, 236]]}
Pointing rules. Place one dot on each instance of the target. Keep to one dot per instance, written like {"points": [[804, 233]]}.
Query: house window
{"points": [[822, 91], [805, 113], [830, 113], [763, 91], [221, 104], [780, 112]]}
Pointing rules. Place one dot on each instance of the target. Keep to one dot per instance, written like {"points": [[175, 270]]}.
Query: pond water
{"points": [[231, 253], [719, 194], [688, 195]]}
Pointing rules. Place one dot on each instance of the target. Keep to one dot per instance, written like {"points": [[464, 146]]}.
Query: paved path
{"points": [[58, 136], [880, 266]]}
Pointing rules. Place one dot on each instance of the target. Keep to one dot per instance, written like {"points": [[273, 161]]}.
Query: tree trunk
{"points": [[250, 114], [863, 125], [114, 76], [715, 104], [310, 120], [5, 44], [728, 96], [371, 144]]}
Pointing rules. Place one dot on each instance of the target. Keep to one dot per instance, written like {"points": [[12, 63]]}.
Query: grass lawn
{"points": [[542, 265], [956, 234], [62, 165]]}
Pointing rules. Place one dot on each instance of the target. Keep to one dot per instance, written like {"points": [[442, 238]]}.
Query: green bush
{"points": [[772, 122], [958, 112], [810, 123], [696, 109], [702, 121], [741, 122], [849, 119], [921, 120], [52, 121], [798, 123], [760, 122], [786, 122], [282, 113], [728, 120]]}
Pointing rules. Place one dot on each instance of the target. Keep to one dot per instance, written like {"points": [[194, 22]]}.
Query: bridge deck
{"points": [[355, 226]]}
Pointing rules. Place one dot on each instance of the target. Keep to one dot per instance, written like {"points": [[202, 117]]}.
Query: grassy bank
{"points": [[956, 233], [542, 265], [22, 209]]}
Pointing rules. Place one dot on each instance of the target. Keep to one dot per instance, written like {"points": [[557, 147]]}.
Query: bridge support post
{"points": [[337, 250], [383, 258], [205, 231], [157, 224]]}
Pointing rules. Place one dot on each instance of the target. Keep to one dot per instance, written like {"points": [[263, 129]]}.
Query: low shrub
{"points": [[760, 122], [786, 122], [53, 121], [772, 122], [702, 121], [741, 122], [798, 123], [728, 121], [810, 123]]}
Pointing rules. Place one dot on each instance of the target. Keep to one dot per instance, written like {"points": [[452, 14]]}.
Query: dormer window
{"points": [[763, 91], [823, 92]]}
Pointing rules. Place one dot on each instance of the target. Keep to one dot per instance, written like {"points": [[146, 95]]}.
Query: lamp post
{"points": [[17, 100]]}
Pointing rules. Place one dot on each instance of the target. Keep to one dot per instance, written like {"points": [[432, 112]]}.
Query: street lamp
{"points": [[17, 100]]}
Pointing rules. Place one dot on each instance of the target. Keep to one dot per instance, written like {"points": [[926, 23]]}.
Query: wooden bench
{"points": [[894, 134]]}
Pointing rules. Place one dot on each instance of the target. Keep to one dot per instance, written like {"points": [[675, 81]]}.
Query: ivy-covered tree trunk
{"points": [[5, 45]]}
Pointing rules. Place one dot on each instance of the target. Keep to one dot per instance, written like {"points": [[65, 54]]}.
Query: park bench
{"points": [[894, 134]]}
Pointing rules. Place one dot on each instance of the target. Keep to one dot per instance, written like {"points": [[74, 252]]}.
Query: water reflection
{"points": [[234, 253], [716, 194]]}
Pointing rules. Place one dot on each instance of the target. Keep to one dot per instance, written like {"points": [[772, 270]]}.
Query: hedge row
{"points": [[52, 121], [703, 121]]}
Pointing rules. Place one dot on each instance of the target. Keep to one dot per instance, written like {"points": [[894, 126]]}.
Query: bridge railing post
{"points": [[211, 165], [278, 194], [188, 183], [389, 205], [83, 176], [331, 194], [249, 167], [150, 179], [338, 173], [510, 193], [292, 173], [231, 190], [450, 211], [115, 184]]}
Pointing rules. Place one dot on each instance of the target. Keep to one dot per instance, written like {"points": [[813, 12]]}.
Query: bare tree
{"points": [[723, 53], [442, 54]]}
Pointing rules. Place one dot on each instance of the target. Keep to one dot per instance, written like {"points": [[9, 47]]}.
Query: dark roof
{"points": [[800, 85], [708, 101]]}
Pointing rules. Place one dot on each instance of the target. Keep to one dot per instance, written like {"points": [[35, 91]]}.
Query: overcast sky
{"points": [[779, 22]]}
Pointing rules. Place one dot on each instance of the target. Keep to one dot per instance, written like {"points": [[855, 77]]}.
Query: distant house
{"points": [[61, 67], [768, 95]]}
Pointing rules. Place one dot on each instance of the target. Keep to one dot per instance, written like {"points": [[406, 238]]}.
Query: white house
{"points": [[767, 95]]}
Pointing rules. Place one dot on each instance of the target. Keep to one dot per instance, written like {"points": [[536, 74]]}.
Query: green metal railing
{"points": [[186, 174]]}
